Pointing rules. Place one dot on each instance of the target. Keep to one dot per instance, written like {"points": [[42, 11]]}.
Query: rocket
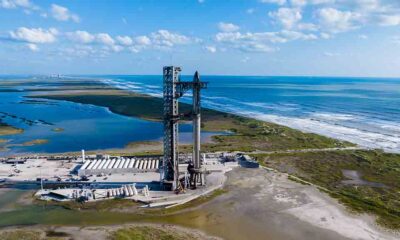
{"points": [[196, 120]]}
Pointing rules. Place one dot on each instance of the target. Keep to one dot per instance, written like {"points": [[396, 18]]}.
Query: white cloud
{"points": [[227, 27], [104, 38], [81, 36], [166, 39], [307, 27], [333, 20], [390, 20], [247, 42], [298, 3], [287, 17], [279, 2], [116, 48], [124, 40], [34, 35], [211, 49], [61, 13], [12, 4], [33, 47], [134, 49], [142, 40], [259, 41], [162, 39], [294, 35]]}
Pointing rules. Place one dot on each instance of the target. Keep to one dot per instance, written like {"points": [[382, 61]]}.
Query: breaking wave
{"points": [[358, 127]]}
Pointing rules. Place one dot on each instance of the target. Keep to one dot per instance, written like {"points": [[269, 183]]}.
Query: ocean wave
{"points": [[334, 116], [361, 137], [357, 127]]}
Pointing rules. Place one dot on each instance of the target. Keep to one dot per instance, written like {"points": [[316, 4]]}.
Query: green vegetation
{"points": [[325, 169], [20, 235], [33, 142], [6, 129], [150, 233], [246, 134], [106, 205]]}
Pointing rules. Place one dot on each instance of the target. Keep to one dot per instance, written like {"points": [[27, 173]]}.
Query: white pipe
{"points": [[141, 164], [137, 163], [117, 164], [106, 165], [97, 164], [92, 164], [121, 163], [85, 165], [127, 163], [103, 162], [132, 163], [111, 164]]}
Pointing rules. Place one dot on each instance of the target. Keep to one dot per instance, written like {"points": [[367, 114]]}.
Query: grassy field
{"points": [[246, 134], [109, 205], [325, 169], [149, 233], [140, 232], [21, 235]]}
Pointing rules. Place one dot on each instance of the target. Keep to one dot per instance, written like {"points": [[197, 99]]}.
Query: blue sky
{"points": [[237, 37]]}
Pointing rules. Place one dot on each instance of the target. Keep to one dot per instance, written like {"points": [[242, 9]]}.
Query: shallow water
{"points": [[238, 214], [84, 126]]}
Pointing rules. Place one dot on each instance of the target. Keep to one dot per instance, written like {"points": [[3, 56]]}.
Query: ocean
{"points": [[365, 111]]}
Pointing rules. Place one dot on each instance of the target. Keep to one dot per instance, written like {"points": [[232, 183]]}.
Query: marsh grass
{"points": [[325, 169]]}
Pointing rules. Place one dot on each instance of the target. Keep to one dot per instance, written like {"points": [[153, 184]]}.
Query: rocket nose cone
{"points": [[196, 77]]}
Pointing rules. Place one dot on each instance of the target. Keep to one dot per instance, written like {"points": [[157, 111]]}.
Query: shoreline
{"points": [[321, 122]]}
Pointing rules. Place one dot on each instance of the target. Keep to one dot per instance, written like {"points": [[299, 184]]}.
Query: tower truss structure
{"points": [[173, 89]]}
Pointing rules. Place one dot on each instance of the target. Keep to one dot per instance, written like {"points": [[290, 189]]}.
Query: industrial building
{"points": [[119, 165]]}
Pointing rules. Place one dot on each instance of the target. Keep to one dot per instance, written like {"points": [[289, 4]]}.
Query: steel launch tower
{"points": [[173, 89]]}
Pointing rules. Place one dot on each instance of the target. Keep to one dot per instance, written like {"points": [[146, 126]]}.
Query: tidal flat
{"points": [[254, 204]]}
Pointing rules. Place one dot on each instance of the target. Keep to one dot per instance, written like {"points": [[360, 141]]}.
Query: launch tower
{"points": [[173, 89]]}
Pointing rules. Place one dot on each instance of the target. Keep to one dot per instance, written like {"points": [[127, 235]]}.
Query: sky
{"points": [[216, 37]]}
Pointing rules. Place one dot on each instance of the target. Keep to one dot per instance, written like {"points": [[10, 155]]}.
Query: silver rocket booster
{"points": [[196, 120]]}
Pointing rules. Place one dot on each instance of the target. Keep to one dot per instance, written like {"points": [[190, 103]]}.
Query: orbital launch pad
{"points": [[173, 89]]}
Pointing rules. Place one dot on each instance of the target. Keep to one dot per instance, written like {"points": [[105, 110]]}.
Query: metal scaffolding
{"points": [[173, 89]]}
